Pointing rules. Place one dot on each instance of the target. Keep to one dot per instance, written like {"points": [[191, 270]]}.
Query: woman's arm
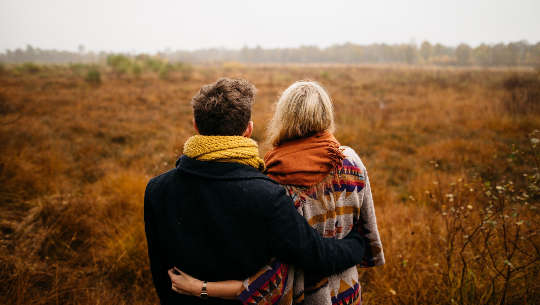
{"points": [[185, 284], [270, 281], [367, 225]]}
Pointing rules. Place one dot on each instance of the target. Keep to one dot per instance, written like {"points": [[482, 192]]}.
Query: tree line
{"points": [[520, 53]]}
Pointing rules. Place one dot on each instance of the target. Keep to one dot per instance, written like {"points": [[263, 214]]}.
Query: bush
{"points": [[153, 64], [29, 67], [165, 71], [78, 68], [120, 64], [93, 76], [488, 243], [325, 75], [186, 70], [136, 70]]}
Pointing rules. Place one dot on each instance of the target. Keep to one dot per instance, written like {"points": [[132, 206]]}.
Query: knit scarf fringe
{"points": [[306, 161], [234, 149]]}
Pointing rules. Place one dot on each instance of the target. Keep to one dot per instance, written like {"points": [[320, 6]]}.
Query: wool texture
{"points": [[234, 149]]}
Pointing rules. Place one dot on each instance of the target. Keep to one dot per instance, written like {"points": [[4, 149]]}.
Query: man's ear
{"points": [[249, 130], [195, 125]]}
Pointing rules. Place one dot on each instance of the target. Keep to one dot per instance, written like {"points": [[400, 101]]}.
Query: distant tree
{"points": [[383, 53], [425, 50], [463, 55], [500, 54], [533, 56], [438, 50], [517, 52], [29, 53], [411, 54], [482, 55]]}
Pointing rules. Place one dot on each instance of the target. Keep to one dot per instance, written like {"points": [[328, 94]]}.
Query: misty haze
{"points": [[440, 100]]}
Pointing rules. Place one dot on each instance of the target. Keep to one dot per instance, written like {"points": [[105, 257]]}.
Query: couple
{"points": [[226, 227]]}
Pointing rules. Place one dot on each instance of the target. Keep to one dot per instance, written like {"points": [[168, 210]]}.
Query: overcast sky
{"points": [[148, 26]]}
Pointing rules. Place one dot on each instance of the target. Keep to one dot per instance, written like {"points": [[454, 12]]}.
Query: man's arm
{"points": [[159, 271], [294, 241]]}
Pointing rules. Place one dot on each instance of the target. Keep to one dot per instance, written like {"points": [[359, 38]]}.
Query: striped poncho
{"points": [[340, 203]]}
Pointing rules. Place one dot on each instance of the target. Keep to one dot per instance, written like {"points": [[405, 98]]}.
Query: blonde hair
{"points": [[303, 109]]}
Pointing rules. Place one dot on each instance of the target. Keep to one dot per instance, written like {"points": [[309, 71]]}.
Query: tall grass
{"points": [[452, 155]]}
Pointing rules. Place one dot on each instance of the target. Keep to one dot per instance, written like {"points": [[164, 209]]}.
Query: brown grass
{"points": [[452, 157]]}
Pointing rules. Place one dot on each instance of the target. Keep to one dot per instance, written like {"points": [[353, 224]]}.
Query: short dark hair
{"points": [[224, 107]]}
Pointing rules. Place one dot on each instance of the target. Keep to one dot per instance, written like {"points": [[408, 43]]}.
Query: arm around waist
{"points": [[294, 241]]}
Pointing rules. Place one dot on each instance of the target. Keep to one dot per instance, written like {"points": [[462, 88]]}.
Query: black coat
{"points": [[222, 221]]}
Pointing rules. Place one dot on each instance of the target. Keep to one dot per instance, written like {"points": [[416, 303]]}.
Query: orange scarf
{"points": [[304, 162]]}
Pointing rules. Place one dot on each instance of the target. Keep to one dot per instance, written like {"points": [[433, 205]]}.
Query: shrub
{"points": [[165, 71], [325, 75], [78, 68], [153, 64], [93, 76], [29, 67], [136, 70], [488, 243], [119, 63], [185, 69]]}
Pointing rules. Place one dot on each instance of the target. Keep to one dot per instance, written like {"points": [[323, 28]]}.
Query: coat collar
{"points": [[218, 170]]}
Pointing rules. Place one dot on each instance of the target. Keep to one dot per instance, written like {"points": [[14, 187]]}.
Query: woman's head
{"points": [[302, 110]]}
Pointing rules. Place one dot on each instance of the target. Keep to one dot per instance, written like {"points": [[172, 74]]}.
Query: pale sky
{"points": [[149, 26]]}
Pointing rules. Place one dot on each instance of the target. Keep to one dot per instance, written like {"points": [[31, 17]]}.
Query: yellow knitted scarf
{"points": [[234, 149]]}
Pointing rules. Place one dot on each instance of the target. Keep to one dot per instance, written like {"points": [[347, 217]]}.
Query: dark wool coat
{"points": [[221, 221]]}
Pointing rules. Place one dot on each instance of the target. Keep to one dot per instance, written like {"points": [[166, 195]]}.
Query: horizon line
{"points": [[168, 49]]}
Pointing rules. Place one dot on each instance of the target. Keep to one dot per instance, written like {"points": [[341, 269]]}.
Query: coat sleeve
{"points": [[294, 241], [365, 222], [158, 269], [366, 225]]}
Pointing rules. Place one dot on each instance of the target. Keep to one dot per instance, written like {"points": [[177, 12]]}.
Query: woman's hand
{"points": [[184, 283]]}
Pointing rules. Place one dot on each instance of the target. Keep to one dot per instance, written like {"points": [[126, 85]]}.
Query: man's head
{"points": [[224, 108]]}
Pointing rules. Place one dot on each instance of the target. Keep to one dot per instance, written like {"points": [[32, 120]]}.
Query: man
{"points": [[217, 217]]}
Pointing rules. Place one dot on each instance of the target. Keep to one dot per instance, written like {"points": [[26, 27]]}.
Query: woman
{"points": [[329, 187]]}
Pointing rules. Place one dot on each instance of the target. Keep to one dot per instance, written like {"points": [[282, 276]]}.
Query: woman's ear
{"points": [[249, 130]]}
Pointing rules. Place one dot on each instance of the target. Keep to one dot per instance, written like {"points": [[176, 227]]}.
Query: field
{"points": [[452, 156]]}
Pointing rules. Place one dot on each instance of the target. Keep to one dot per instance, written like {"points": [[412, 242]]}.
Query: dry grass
{"points": [[452, 157]]}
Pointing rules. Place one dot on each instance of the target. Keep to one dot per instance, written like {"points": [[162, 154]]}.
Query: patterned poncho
{"points": [[338, 204]]}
